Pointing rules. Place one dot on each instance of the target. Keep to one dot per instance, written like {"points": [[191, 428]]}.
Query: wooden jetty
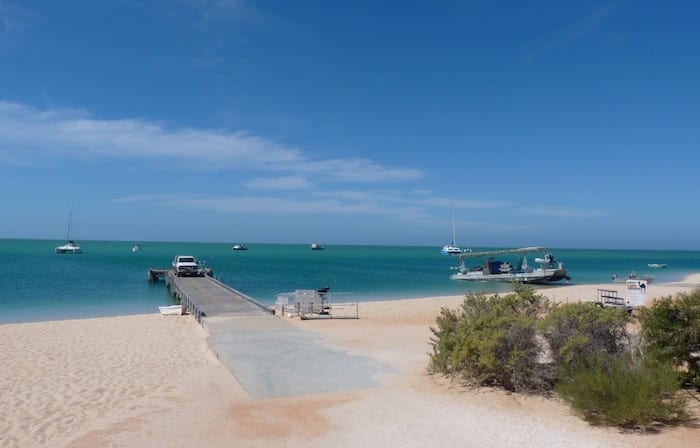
{"points": [[207, 296], [268, 356]]}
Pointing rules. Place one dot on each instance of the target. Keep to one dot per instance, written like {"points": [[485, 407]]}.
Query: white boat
{"points": [[171, 310], [316, 246], [239, 247], [452, 248], [71, 247], [657, 265], [632, 276], [547, 270], [136, 248]]}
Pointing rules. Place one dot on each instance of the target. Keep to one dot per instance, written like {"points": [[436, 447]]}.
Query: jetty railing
{"points": [[313, 304]]}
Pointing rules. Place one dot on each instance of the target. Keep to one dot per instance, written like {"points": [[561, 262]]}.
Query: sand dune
{"points": [[151, 381]]}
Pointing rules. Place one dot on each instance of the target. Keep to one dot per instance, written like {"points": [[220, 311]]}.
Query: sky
{"points": [[566, 124]]}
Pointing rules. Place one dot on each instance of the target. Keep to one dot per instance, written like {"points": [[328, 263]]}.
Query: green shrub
{"points": [[577, 331], [671, 332], [624, 391], [492, 341]]}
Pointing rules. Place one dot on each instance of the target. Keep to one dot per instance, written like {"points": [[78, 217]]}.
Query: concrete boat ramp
{"points": [[266, 354]]}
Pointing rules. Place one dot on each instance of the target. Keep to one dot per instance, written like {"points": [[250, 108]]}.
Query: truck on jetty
{"points": [[187, 266]]}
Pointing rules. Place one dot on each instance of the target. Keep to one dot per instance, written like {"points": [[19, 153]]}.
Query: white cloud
{"points": [[280, 183], [31, 135], [562, 212]]}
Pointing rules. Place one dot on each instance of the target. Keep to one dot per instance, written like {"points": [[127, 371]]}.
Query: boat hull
{"points": [[538, 276], [171, 310], [68, 250]]}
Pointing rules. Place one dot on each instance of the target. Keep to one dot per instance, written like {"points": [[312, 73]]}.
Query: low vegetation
{"points": [[671, 333], [624, 391], [492, 341], [523, 343]]}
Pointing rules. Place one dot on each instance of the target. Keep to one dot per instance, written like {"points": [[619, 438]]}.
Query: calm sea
{"points": [[108, 279]]}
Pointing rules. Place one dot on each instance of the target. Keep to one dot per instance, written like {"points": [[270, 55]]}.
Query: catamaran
{"points": [[548, 269], [452, 248], [71, 247]]}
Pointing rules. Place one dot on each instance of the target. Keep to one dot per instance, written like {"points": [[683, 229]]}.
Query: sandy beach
{"points": [[152, 381]]}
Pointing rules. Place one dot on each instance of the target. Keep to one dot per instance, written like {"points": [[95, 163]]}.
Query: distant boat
{"points": [[632, 276], [549, 270], [316, 246], [136, 248], [71, 247], [239, 247], [452, 248], [657, 265], [171, 310]]}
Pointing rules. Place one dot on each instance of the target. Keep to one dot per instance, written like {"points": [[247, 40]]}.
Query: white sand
{"points": [[151, 381]]}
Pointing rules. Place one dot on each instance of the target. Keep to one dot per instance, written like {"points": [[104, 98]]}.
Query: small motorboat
{"points": [[657, 265], [316, 246], [239, 247], [136, 248], [171, 310]]}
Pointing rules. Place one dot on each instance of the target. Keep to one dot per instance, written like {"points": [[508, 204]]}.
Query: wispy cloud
{"points": [[206, 11], [31, 135], [280, 183], [15, 20], [570, 33], [562, 212]]}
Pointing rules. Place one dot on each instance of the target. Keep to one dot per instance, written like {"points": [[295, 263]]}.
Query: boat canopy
{"points": [[488, 253]]}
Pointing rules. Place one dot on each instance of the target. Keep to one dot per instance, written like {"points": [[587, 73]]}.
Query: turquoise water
{"points": [[109, 279]]}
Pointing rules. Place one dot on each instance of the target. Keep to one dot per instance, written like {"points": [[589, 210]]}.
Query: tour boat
{"points": [[548, 269]]}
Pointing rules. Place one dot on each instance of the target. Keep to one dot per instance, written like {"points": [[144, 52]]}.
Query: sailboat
{"points": [[71, 247], [452, 249]]}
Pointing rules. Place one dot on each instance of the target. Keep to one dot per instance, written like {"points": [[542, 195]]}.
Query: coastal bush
{"points": [[626, 391], [576, 331], [522, 343], [671, 332], [493, 341]]}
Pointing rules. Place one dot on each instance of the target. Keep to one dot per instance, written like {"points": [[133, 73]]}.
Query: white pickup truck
{"points": [[186, 265]]}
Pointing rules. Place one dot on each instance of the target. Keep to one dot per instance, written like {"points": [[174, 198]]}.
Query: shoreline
{"points": [[123, 381]]}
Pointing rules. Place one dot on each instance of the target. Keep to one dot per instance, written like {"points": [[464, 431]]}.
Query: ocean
{"points": [[108, 279]]}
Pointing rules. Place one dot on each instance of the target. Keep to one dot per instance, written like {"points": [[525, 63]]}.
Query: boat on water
{"points": [[71, 247], [547, 270], [239, 247], [171, 310], [452, 248], [316, 246], [632, 276], [657, 265], [136, 248]]}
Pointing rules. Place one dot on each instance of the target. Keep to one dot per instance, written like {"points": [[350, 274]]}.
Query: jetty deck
{"points": [[266, 354], [206, 296]]}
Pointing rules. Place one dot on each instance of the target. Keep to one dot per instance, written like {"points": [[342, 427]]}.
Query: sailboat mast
{"points": [[70, 221]]}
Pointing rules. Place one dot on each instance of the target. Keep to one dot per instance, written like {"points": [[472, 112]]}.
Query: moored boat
{"points": [[493, 270], [239, 247], [316, 246], [71, 247], [452, 248], [632, 276]]}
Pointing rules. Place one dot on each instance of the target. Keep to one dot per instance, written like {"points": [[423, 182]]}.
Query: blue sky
{"points": [[564, 124]]}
